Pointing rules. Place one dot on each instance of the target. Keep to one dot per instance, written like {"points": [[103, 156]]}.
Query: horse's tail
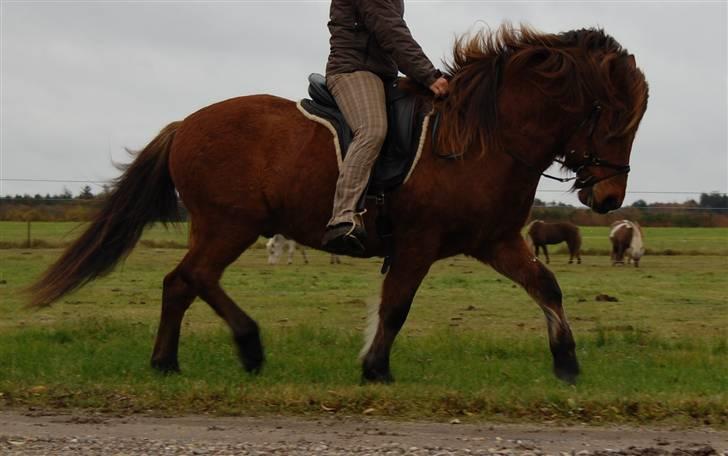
{"points": [[143, 194]]}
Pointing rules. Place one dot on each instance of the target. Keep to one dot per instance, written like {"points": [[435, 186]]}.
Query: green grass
{"points": [[102, 364], [662, 241], [474, 346]]}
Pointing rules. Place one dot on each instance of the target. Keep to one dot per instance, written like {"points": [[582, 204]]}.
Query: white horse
{"points": [[278, 243], [627, 240]]}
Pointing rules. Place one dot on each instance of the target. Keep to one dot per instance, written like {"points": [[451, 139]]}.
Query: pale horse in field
{"points": [[278, 243], [627, 240]]}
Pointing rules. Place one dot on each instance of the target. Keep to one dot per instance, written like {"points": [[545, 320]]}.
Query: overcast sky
{"points": [[83, 80]]}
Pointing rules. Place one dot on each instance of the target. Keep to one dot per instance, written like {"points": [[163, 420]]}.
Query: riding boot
{"points": [[345, 239]]}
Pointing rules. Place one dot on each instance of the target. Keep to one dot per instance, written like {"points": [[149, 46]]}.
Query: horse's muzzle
{"points": [[599, 203]]}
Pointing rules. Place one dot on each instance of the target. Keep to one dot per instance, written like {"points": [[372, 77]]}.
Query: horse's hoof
{"points": [[250, 352], [567, 370], [166, 367], [376, 377]]}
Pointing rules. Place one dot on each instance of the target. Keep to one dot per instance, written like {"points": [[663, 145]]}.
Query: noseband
{"points": [[588, 159]]}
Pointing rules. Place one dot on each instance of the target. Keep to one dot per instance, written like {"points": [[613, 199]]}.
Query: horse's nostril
{"points": [[610, 203]]}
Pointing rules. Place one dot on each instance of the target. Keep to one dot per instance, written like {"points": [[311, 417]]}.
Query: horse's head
{"points": [[599, 149], [577, 96]]}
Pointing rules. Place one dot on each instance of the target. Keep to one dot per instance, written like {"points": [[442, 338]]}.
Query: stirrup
{"points": [[345, 239]]}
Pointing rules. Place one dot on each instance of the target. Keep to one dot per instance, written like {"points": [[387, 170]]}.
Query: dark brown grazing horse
{"points": [[255, 165], [541, 233]]}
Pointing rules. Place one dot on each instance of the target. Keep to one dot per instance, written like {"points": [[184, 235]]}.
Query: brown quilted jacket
{"points": [[372, 35]]}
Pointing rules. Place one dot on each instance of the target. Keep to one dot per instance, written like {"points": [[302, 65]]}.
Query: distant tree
{"points": [[66, 194], [640, 203], [86, 193], [538, 202], [714, 199]]}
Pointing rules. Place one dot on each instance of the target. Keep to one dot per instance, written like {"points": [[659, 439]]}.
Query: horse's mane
{"points": [[573, 68]]}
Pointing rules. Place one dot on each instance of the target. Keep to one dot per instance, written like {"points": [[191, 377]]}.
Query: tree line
{"points": [[711, 209]]}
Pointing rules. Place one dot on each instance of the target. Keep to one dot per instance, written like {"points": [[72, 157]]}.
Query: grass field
{"points": [[474, 346], [663, 241]]}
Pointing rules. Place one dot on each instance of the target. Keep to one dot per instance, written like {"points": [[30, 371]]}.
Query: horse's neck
{"points": [[490, 182]]}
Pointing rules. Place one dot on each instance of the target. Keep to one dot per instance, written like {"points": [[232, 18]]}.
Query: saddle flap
{"points": [[318, 91]]}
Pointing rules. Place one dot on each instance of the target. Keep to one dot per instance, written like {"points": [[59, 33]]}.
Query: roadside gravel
{"points": [[21, 434]]}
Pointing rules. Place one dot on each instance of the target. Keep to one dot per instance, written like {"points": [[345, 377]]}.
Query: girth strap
{"points": [[384, 230]]}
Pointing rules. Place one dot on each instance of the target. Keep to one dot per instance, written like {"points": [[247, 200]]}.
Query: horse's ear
{"points": [[631, 62]]}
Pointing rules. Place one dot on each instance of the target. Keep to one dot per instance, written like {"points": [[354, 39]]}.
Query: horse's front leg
{"points": [[513, 259], [409, 267]]}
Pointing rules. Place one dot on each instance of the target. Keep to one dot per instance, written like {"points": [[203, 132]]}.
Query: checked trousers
{"points": [[360, 96]]}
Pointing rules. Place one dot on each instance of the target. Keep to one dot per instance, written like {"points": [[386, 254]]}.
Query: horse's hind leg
{"points": [[291, 250], [574, 251], [200, 272], [303, 254], [177, 295], [546, 254], [409, 267], [513, 259]]}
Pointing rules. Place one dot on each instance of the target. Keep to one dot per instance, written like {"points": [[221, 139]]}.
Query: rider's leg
{"points": [[360, 96]]}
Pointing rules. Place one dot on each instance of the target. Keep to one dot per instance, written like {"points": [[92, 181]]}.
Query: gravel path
{"points": [[39, 434]]}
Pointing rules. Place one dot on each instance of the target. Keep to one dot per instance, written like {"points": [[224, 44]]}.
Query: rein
{"points": [[589, 160]]}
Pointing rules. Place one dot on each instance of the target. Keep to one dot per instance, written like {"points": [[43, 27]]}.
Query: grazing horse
{"points": [[278, 242], [541, 233], [256, 165], [275, 246], [627, 239]]}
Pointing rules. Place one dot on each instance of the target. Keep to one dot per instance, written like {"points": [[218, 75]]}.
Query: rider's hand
{"points": [[440, 87]]}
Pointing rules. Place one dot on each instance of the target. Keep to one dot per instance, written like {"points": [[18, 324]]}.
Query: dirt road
{"points": [[37, 433]]}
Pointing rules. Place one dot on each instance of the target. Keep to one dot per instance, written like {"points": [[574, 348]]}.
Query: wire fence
{"points": [[110, 182], [97, 200], [66, 207]]}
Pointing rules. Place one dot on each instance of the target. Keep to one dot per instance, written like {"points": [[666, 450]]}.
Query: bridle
{"points": [[588, 159]]}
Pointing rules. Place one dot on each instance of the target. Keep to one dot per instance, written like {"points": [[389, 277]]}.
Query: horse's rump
{"points": [[231, 161]]}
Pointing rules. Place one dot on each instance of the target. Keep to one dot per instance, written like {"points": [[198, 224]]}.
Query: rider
{"points": [[370, 43]]}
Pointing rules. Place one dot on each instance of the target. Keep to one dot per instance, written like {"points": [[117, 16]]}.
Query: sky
{"points": [[82, 81]]}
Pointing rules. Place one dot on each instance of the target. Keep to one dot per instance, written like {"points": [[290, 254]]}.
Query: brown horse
{"points": [[541, 233], [627, 239], [255, 165]]}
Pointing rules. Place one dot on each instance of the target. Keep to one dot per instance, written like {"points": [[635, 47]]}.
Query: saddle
{"points": [[405, 124]]}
